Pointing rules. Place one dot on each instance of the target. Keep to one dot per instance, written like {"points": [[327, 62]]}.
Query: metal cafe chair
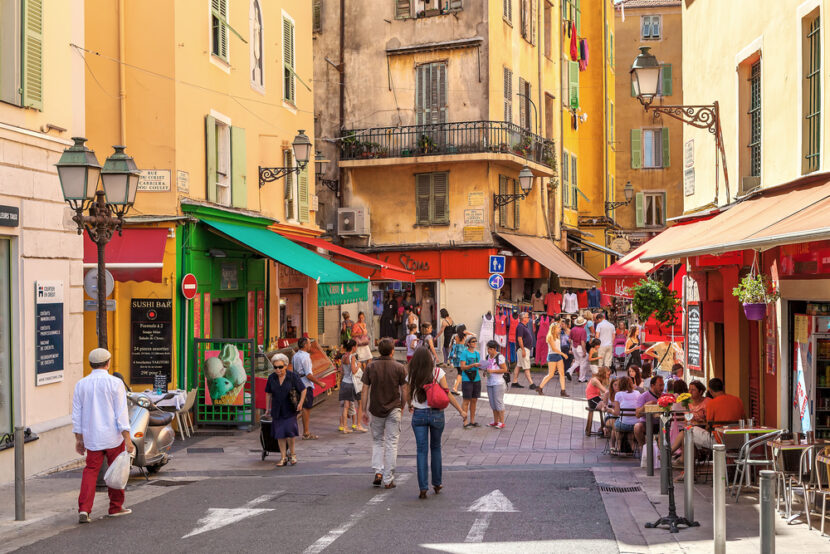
{"points": [[802, 483], [754, 454], [821, 474]]}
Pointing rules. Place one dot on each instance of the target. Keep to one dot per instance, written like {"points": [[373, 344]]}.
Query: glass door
{"points": [[821, 404], [5, 340]]}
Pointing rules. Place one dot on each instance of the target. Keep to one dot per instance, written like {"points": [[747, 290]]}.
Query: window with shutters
{"points": [[572, 13], [755, 120], [302, 196], [654, 147], [548, 116], [288, 61], [219, 29], [21, 53], [573, 85], [316, 16], [427, 8], [566, 183], [431, 93], [218, 155], [525, 114], [574, 184], [257, 47], [432, 205], [403, 9], [664, 86], [290, 191], [524, 19], [651, 27], [509, 213], [653, 208], [548, 23], [811, 92], [507, 12], [508, 95]]}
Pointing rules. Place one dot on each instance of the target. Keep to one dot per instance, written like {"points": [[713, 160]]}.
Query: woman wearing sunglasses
{"points": [[284, 412], [470, 360]]}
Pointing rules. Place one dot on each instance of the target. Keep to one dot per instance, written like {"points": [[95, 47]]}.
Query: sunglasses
{"points": [[279, 367]]}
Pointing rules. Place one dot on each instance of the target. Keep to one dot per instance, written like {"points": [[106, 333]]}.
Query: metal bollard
{"points": [[19, 475], [719, 498], [689, 474], [767, 484], [665, 457], [650, 449]]}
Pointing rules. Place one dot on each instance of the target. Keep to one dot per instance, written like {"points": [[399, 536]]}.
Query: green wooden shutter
{"points": [[508, 95], [636, 148], [302, 195], [665, 79], [574, 184], [423, 186], [516, 190], [578, 16], [239, 168], [573, 85], [566, 185], [33, 54], [421, 93], [288, 161], [439, 75], [402, 9], [440, 198], [288, 59], [665, 137], [502, 209], [639, 209], [212, 177]]}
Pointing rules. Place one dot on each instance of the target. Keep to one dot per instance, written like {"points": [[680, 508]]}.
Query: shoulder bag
{"points": [[437, 397]]}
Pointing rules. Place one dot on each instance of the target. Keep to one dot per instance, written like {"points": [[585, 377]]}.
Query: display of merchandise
{"points": [[541, 342], [486, 333]]}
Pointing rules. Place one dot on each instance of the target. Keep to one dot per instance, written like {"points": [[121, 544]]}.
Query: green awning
{"points": [[336, 285]]}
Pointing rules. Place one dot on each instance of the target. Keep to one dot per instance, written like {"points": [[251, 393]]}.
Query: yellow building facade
{"points": [[588, 136], [222, 88]]}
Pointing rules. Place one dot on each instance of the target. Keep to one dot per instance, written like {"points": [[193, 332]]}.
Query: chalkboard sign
{"points": [[693, 337], [160, 382], [151, 340]]}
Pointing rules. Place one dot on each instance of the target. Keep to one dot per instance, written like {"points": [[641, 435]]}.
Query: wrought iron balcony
{"points": [[441, 139]]}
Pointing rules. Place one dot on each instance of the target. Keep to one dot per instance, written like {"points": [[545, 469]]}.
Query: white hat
{"points": [[99, 356]]}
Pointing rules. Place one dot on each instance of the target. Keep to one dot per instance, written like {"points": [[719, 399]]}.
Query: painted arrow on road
{"points": [[216, 518], [487, 505]]}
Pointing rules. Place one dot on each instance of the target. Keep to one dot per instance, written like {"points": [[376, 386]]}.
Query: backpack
{"points": [[437, 397]]}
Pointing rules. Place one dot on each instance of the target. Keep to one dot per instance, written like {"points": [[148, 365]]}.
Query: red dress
{"points": [[553, 300]]}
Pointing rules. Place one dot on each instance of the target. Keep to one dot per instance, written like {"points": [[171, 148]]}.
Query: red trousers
{"points": [[94, 460]]}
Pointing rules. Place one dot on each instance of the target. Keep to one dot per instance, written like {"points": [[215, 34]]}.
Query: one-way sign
{"points": [[497, 264]]}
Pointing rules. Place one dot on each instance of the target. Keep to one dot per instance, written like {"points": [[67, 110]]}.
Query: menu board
{"points": [[151, 340], [693, 337]]}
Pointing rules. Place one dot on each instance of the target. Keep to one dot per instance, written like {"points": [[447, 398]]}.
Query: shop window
{"points": [[257, 47], [288, 61], [6, 388], [650, 209], [21, 53], [811, 92], [651, 27], [432, 198]]}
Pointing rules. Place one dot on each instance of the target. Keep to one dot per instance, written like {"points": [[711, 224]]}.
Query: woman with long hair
{"points": [[606, 406], [625, 399], [427, 423], [446, 329], [697, 405], [597, 386], [636, 377], [457, 349], [360, 334], [632, 347], [556, 360]]}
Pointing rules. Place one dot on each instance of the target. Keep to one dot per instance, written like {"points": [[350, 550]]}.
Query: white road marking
{"points": [[325, 541], [492, 502], [216, 518], [479, 527]]}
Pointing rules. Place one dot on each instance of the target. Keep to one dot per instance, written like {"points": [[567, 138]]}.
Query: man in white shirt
{"points": [[605, 333], [101, 425], [301, 364]]}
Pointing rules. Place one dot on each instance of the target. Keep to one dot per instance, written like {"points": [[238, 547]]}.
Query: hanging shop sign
{"points": [[771, 341], [151, 339], [48, 332], [230, 277], [694, 360]]}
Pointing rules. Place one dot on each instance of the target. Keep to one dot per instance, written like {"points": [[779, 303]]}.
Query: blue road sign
{"points": [[496, 281], [497, 264]]}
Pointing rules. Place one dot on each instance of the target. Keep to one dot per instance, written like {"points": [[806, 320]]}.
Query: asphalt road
{"points": [[553, 510]]}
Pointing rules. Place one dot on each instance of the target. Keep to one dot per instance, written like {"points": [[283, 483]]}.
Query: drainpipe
{"points": [[558, 228], [605, 118], [543, 191], [342, 73], [122, 72]]}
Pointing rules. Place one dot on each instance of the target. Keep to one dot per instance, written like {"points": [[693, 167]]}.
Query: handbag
{"points": [[357, 381], [437, 397], [293, 398]]}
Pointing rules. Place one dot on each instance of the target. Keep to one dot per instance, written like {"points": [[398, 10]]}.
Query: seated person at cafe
{"points": [[722, 407], [650, 396]]}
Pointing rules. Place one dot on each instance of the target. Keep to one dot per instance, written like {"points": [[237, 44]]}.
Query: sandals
{"points": [[438, 488], [362, 429], [292, 459], [345, 430], [310, 437], [282, 463]]}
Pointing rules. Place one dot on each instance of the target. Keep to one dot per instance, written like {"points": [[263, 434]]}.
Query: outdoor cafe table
{"points": [[735, 431], [791, 451], [177, 401]]}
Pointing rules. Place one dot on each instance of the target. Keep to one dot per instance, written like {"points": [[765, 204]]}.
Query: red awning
{"points": [[618, 277], [365, 266], [136, 255]]}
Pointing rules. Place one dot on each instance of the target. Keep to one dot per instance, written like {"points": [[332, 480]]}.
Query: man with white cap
{"points": [[101, 425]]}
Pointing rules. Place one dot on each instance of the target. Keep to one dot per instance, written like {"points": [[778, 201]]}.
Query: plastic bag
{"points": [[644, 454], [118, 473]]}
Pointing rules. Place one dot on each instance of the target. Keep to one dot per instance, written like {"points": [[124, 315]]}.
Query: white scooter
{"points": [[150, 431]]}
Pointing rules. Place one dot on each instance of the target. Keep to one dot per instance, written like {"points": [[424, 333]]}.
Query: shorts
{"points": [[592, 402], [524, 361], [309, 398], [512, 353], [495, 393], [470, 389], [623, 427], [346, 392], [554, 357], [702, 438]]}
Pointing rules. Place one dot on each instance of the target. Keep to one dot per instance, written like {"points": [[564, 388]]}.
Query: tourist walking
{"points": [[457, 349], [497, 374], [446, 329], [427, 422], [555, 358], [360, 334], [578, 338], [101, 424], [349, 366], [427, 341], [605, 332], [301, 363], [286, 395], [383, 382], [469, 360], [524, 343]]}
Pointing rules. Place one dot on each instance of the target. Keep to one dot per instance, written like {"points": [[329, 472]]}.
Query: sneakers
{"points": [[378, 479], [517, 386], [122, 512], [564, 394], [532, 386], [499, 425], [492, 424], [83, 517]]}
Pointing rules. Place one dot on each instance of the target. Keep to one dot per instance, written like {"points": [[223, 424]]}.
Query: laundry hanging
{"points": [[583, 54], [574, 45]]}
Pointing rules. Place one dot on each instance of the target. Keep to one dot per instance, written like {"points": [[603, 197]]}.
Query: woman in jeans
{"points": [[427, 423]]}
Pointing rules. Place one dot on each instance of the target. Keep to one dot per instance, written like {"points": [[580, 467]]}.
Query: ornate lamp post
{"points": [[78, 171], [302, 150], [525, 183], [645, 78], [628, 192]]}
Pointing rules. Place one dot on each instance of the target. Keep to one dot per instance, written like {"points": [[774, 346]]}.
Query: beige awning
{"points": [[774, 217], [549, 255]]}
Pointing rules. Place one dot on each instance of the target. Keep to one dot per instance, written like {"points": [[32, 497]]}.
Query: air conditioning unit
{"points": [[748, 184], [352, 222]]}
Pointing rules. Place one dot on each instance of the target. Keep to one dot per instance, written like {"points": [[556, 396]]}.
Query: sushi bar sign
{"points": [[151, 340]]}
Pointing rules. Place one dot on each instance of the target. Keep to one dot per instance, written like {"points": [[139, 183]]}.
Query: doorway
{"points": [[225, 318], [292, 313]]}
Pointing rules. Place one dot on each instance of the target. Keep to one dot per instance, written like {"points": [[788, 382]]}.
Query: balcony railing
{"points": [[440, 139]]}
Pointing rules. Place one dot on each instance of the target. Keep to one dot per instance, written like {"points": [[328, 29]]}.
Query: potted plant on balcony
{"points": [[755, 291], [426, 145], [523, 147], [653, 298]]}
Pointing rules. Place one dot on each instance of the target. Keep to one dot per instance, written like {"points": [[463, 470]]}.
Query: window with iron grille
{"points": [[811, 94], [755, 119]]}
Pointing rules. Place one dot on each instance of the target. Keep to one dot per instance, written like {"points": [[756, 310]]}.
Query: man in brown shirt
{"points": [[384, 380]]}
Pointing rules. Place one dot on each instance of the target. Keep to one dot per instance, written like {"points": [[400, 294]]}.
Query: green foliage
{"points": [[756, 288], [653, 298]]}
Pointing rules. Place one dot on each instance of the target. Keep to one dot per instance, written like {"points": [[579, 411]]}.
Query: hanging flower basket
{"points": [[755, 312]]}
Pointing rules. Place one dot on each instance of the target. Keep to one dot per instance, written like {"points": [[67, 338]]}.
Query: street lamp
{"points": [[302, 149], [525, 183], [78, 171], [628, 193], [645, 79]]}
